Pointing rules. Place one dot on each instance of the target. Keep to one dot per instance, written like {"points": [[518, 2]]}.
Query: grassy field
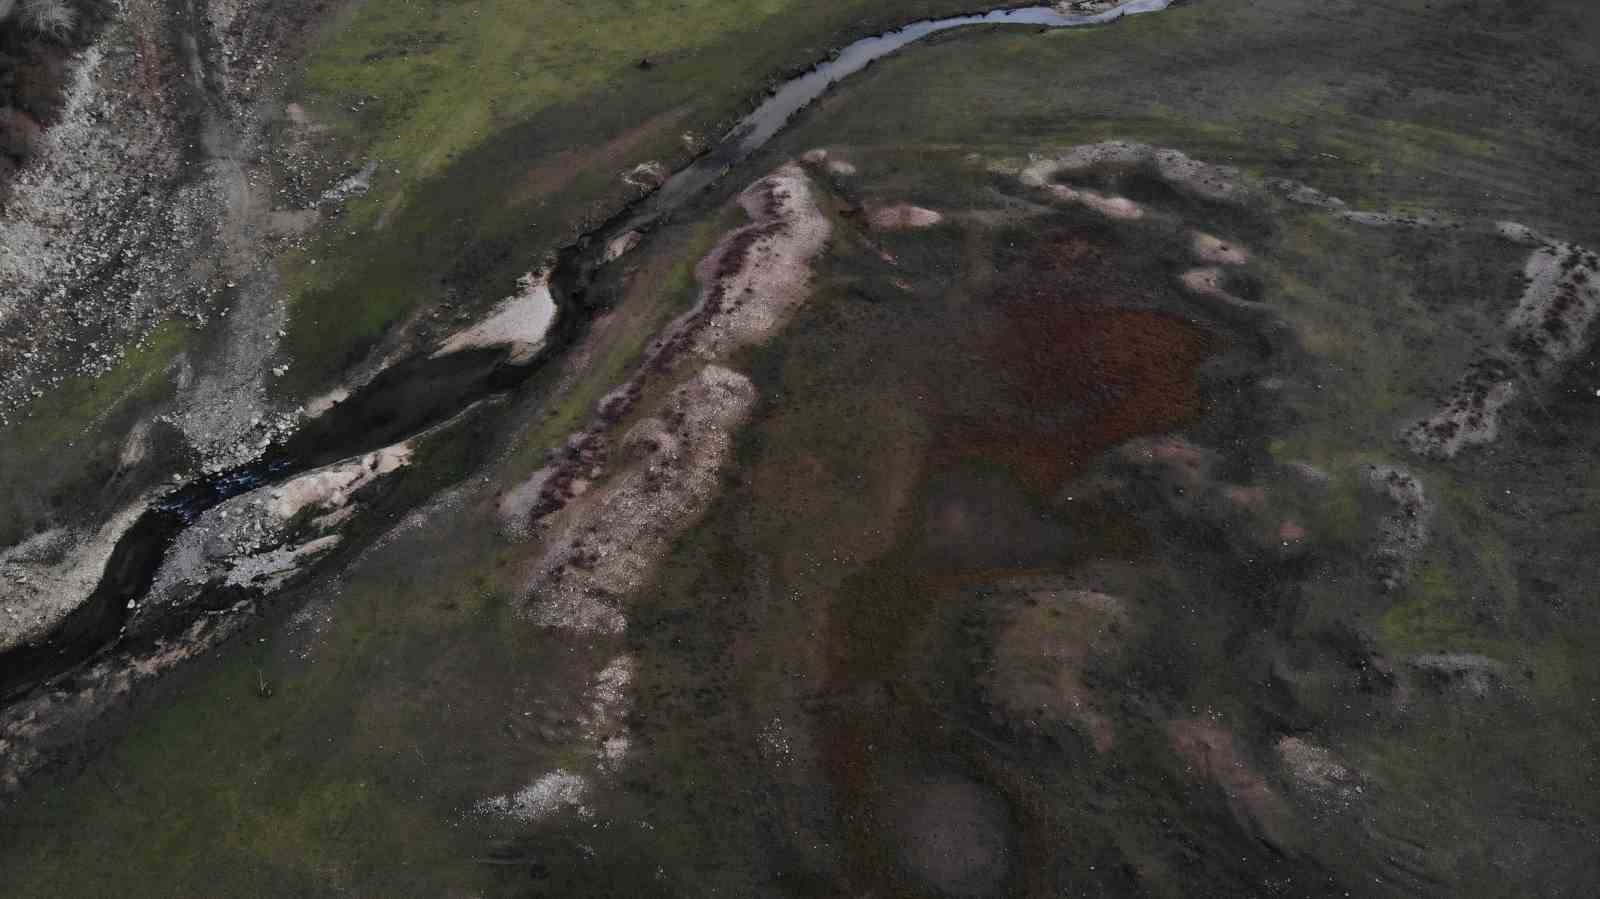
{"points": [[503, 129], [830, 595], [62, 461]]}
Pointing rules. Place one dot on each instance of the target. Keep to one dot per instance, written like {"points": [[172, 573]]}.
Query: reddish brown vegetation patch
{"points": [[1078, 370]]}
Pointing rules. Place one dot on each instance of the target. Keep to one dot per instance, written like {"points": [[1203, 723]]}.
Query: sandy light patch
{"points": [[519, 324], [1193, 176], [603, 731], [1462, 674], [892, 218], [760, 273], [604, 723], [47, 576], [621, 245], [1207, 282], [1112, 207], [554, 792], [97, 232], [750, 284], [1216, 251], [1550, 325], [1316, 769], [1518, 233], [646, 176], [1551, 322], [262, 538], [610, 539]]}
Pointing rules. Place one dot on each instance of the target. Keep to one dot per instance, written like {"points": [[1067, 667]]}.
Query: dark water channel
{"points": [[416, 395]]}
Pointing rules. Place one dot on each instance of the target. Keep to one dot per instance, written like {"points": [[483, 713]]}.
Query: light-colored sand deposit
{"points": [[262, 538], [519, 324], [750, 284], [608, 540], [1316, 769], [893, 218], [47, 576], [1549, 326]]}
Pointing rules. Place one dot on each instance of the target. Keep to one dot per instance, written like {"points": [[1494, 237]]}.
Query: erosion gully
{"points": [[415, 395]]}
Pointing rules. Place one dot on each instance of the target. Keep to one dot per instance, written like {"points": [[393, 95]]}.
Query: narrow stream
{"points": [[415, 395], [760, 126]]}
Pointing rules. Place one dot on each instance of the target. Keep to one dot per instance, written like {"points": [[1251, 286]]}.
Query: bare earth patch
{"points": [[262, 538], [517, 324], [750, 284], [892, 218], [1316, 769], [1210, 752], [607, 542], [43, 579], [1549, 326]]}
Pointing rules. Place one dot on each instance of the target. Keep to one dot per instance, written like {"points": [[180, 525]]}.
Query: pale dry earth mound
{"points": [[47, 576], [609, 541], [518, 324], [1547, 328], [750, 283]]}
